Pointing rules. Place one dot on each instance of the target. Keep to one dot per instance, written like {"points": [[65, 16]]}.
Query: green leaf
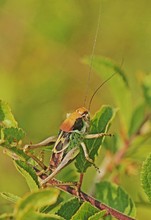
{"points": [[115, 197], [72, 206], [118, 85], [10, 197], [16, 154], [29, 206], [137, 119], [13, 134], [97, 216], [99, 124], [146, 176], [6, 116], [19, 153], [29, 174], [147, 89], [51, 209], [10, 134], [84, 212]]}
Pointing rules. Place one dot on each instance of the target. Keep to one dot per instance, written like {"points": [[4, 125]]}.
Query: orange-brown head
{"points": [[78, 120]]}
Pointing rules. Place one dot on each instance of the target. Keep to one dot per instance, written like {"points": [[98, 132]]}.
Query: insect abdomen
{"points": [[59, 149], [55, 160]]}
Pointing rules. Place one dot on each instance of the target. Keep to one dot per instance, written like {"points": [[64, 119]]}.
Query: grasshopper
{"points": [[73, 131]]}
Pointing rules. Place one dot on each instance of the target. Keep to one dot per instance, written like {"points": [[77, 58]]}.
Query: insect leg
{"points": [[66, 160], [44, 143], [79, 184], [91, 136], [87, 156]]}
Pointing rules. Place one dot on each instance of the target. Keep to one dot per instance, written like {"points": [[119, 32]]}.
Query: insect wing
{"points": [[62, 142]]}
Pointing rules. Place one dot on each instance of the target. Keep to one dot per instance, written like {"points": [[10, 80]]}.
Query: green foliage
{"points": [[146, 176], [6, 116], [41, 78], [13, 134], [10, 134], [85, 211], [72, 206], [18, 152], [29, 174], [10, 197], [98, 215], [99, 124], [29, 206], [77, 210], [115, 197], [47, 204]]}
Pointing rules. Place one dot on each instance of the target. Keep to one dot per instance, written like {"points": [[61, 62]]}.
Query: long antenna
{"points": [[92, 55], [91, 99]]}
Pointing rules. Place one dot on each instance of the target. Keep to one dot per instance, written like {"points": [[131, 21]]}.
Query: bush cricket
{"points": [[73, 131]]}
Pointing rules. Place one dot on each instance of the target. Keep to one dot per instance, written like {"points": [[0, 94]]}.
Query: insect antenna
{"points": [[92, 55], [104, 82], [92, 97]]}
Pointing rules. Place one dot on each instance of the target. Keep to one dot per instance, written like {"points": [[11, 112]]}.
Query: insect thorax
{"points": [[76, 138], [80, 129]]}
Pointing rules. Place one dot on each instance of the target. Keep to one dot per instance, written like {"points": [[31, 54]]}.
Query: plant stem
{"points": [[88, 198]]}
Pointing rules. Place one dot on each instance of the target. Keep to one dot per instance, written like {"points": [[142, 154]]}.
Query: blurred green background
{"points": [[42, 77]]}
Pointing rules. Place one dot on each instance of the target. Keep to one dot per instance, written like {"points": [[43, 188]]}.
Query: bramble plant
{"points": [[109, 199]]}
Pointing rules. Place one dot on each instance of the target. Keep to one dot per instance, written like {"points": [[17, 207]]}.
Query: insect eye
{"points": [[86, 115]]}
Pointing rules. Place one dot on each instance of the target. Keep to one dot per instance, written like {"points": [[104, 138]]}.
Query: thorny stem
{"points": [[88, 198]]}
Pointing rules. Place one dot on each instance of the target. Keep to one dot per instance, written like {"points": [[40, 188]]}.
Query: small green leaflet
{"points": [[10, 134], [100, 123], [73, 209], [10, 197], [6, 116], [29, 174], [13, 134], [72, 206], [20, 153], [84, 212], [115, 197], [146, 176], [27, 207], [98, 215]]}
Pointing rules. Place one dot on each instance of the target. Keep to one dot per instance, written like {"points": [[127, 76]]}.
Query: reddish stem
{"points": [[86, 197]]}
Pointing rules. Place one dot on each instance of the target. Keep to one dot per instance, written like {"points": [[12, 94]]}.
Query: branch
{"points": [[86, 197]]}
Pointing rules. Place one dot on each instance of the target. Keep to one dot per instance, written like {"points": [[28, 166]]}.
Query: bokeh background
{"points": [[42, 77]]}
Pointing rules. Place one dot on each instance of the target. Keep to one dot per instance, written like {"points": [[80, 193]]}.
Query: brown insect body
{"points": [[79, 121]]}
